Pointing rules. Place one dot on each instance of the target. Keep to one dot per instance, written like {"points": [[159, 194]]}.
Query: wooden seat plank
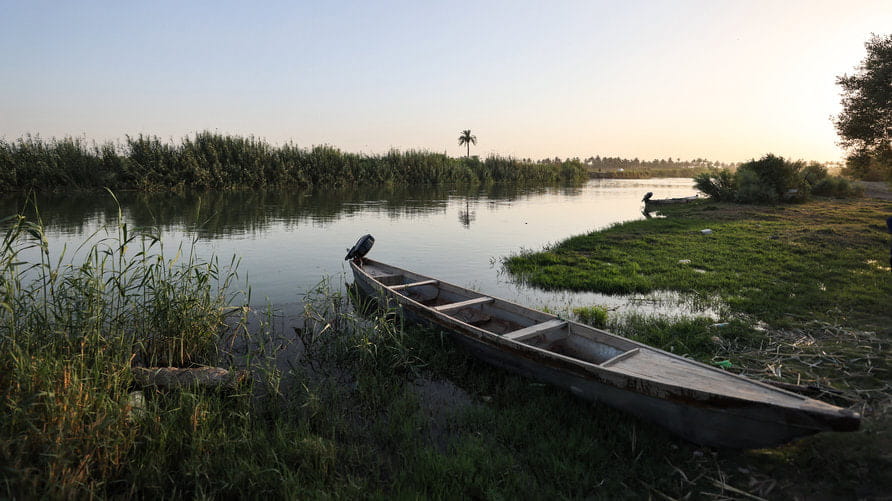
{"points": [[413, 284], [535, 330], [622, 356], [382, 278], [443, 308]]}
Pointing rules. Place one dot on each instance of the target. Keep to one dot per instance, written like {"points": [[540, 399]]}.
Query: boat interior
{"points": [[527, 326], [508, 320]]}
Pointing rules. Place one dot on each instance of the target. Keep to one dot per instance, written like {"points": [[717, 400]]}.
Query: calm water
{"points": [[289, 241]]}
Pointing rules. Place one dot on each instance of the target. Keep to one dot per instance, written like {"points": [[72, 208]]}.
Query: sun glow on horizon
{"points": [[726, 81]]}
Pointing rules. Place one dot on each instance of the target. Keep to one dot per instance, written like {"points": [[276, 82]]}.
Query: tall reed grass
{"points": [[72, 424], [214, 161], [69, 334]]}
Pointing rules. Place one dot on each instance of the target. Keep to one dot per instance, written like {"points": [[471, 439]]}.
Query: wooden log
{"points": [[179, 377]]}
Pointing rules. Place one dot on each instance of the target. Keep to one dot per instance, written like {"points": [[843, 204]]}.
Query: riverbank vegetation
{"points": [[366, 407], [826, 259], [773, 179], [803, 290], [214, 161]]}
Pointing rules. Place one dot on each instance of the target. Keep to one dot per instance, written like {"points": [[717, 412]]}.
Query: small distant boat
{"points": [[702, 404], [667, 201]]}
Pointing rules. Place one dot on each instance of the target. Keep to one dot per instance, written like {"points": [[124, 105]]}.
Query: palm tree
{"points": [[466, 139]]}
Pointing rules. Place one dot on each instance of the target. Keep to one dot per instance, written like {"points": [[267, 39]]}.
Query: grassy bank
{"points": [[804, 292], [826, 260], [214, 161], [359, 407]]}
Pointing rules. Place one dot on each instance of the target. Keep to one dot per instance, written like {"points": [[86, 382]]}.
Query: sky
{"points": [[724, 80]]}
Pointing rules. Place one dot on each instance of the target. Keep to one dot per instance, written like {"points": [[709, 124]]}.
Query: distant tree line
{"points": [[214, 161], [599, 163], [607, 163]]}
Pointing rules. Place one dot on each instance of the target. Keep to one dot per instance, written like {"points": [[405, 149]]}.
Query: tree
{"points": [[865, 124], [466, 139]]}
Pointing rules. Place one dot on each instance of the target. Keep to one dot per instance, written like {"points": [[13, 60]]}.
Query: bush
{"points": [[875, 166], [770, 179], [838, 187], [814, 173], [718, 184], [752, 189]]}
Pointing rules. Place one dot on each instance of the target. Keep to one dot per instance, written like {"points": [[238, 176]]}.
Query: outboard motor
{"points": [[362, 247]]}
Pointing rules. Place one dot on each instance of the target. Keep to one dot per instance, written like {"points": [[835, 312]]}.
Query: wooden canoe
{"points": [[702, 404], [670, 201]]}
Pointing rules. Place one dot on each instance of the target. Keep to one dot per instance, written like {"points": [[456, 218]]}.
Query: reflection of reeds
{"points": [[210, 160], [214, 213]]}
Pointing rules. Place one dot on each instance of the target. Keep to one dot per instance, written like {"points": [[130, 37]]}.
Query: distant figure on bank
{"points": [[647, 196]]}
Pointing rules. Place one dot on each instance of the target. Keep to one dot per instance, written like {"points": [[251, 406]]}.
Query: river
{"points": [[289, 241]]}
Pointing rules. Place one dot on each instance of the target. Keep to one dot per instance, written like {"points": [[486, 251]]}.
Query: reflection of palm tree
{"points": [[466, 139], [466, 216]]}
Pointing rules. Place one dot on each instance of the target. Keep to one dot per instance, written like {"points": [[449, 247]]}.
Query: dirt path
{"points": [[876, 189]]}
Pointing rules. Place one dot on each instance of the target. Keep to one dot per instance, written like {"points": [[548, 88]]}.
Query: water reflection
{"points": [[467, 215], [289, 240], [221, 214]]}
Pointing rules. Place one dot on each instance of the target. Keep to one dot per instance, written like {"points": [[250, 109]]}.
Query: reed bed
{"points": [[69, 334], [215, 161]]}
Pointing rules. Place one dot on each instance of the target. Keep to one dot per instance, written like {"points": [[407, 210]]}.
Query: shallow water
{"points": [[289, 241]]}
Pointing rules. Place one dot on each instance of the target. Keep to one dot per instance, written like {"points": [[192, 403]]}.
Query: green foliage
{"points": [[769, 180], [865, 123], [875, 165], [813, 173], [822, 184], [596, 316], [838, 187], [719, 184], [808, 260], [68, 336], [214, 161]]}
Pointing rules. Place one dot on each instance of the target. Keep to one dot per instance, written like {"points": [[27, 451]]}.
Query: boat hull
{"points": [[711, 420]]}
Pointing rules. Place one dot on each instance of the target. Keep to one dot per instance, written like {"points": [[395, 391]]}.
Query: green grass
{"points": [[804, 292], [595, 316], [825, 260]]}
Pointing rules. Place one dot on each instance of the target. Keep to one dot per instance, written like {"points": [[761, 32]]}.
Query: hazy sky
{"points": [[725, 80]]}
